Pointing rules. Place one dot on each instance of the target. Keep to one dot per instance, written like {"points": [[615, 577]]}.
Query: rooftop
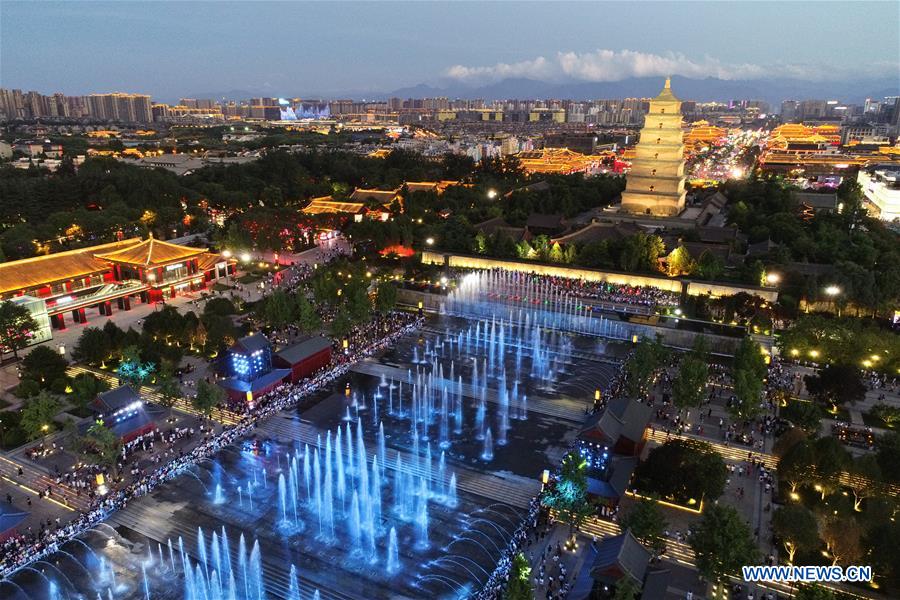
{"points": [[60, 266], [151, 252]]}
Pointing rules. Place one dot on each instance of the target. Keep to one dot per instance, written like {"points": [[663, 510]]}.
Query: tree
{"points": [[569, 494], [804, 415], [688, 389], [722, 542], [102, 444], [169, 389], [93, 347], [889, 456], [830, 460], [647, 524], [86, 387], [44, 366], [626, 588], [796, 465], [709, 266], [683, 470], [16, 327], [787, 440], [843, 537], [305, 315], [640, 366], [341, 323], [37, 415], [680, 262], [386, 299], [814, 592], [747, 391], [866, 480], [276, 309], [796, 527], [208, 397], [519, 586], [836, 384], [132, 369]]}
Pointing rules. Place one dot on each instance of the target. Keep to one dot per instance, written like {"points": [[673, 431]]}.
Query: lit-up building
{"points": [[562, 161], [611, 442], [248, 364], [123, 411], [655, 184], [881, 186], [701, 135], [132, 270]]}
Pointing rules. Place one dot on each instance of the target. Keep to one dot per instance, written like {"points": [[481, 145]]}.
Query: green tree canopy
{"points": [[647, 523], [17, 327], [836, 385], [722, 542], [682, 470], [94, 347], [209, 396], [86, 387], [37, 415], [44, 366], [797, 529], [519, 586]]}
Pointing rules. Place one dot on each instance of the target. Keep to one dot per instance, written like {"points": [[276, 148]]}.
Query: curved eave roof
{"points": [[152, 252]]}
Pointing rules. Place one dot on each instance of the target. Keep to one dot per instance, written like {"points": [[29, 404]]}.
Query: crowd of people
{"points": [[602, 291], [20, 550]]}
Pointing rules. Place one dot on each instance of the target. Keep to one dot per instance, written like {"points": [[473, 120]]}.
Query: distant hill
{"points": [[702, 90]]}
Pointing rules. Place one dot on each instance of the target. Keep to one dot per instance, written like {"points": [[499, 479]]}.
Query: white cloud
{"points": [[612, 65]]}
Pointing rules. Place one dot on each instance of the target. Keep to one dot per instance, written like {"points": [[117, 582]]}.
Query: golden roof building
{"points": [[655, 184]]}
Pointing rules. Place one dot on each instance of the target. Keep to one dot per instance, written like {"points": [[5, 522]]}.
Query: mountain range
{"points": [[701, 90]]}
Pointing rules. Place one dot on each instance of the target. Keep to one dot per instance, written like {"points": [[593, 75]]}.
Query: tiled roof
{"points": [[325, 205], [44, 270], [151, 252], [304, 349], [361, 195]]}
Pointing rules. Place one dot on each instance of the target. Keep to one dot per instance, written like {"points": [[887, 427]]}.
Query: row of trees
{"points": [[855, 528]]}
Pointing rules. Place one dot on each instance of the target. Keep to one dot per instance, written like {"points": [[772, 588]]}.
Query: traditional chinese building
{"points": [[77, 281], [655, 184]]}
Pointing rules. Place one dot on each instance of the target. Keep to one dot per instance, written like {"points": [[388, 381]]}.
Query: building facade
{"points": [[655, 184]]}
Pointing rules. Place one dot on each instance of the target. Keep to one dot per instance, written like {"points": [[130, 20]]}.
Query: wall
{"points": [[693, 288]]}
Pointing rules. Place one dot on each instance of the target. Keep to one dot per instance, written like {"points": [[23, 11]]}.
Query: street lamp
{"points": [[245, 257], [429, 241], [773, 278], [492, 194], [226, 253]]}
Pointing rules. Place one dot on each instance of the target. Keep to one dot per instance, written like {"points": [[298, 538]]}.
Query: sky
{"points": [[173, 49]]}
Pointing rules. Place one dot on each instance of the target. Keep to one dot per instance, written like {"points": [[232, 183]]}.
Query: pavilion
{"points": [[121, 271]]}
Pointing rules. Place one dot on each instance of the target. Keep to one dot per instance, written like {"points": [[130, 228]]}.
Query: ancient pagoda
{"points": [[655, 184]]}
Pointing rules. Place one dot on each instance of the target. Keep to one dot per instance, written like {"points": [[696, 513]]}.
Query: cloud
{"points": [[612, 65]]}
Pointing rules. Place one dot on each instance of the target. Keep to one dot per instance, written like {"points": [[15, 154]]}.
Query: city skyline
{"points": [[357, 49]]}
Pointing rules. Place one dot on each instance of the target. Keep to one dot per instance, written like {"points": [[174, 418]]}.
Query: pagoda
{"points": [[655, 184]]}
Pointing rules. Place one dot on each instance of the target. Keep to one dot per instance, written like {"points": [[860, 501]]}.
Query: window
{"points": [[652, 187], [653, 171], [662, 111], [656, 155], [658, 140], [660, 125]]}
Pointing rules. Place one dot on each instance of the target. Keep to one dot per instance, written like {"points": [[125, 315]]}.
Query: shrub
{"points": [[27, 388], [59, 385]]}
